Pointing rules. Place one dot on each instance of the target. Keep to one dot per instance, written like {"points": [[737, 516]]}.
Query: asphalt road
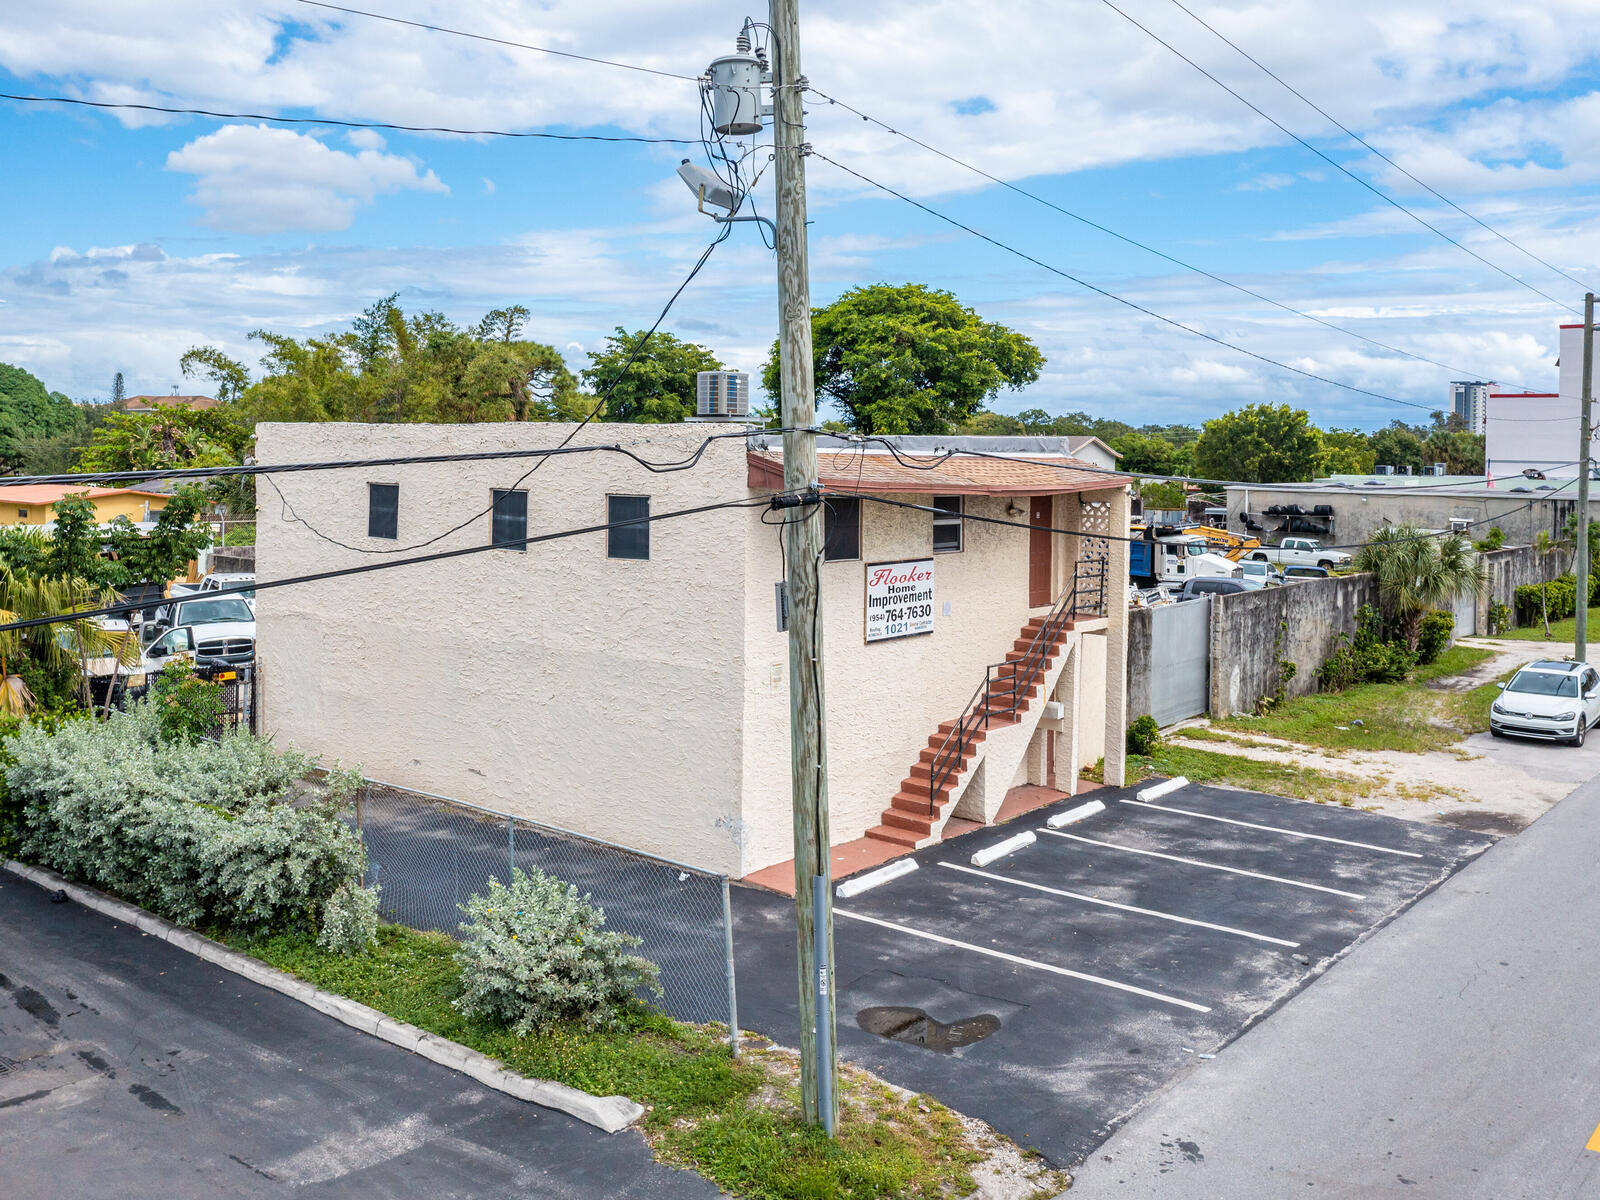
{"points": [[1452, 1055], [129, 1069], [1097, 966]]}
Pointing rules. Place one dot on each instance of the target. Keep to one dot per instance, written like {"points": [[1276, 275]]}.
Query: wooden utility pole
{"points": [[1581, 557], [813, 900]]}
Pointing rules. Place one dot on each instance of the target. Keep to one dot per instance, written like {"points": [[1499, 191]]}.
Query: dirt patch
{"points": [[1477, 821]]}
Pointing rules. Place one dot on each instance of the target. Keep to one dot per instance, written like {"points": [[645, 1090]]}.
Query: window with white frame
{"points": [[947, 523]]}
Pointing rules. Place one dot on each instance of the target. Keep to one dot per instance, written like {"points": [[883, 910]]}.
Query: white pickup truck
{"points": [[1301, 552]]}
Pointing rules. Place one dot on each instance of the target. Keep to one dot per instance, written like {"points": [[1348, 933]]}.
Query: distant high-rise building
{"points": [[1470, 402]]}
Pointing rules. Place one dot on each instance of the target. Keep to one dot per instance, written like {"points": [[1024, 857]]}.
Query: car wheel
{"points": [[1325, 565], [1258, 558], [1493, 732], [1583, 731]]}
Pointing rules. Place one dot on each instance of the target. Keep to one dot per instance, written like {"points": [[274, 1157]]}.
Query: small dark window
{"points": [[510, 528], [627, 541], [383, 510], [841, 529], [947, 523]]}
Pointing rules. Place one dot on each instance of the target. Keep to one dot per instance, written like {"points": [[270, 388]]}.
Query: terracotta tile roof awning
{"points": [[963, 475]]}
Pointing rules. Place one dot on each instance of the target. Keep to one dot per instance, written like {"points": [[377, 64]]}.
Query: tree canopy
{"points": [[33, 419], [658, 387], [910, 359], [1260, 443]]}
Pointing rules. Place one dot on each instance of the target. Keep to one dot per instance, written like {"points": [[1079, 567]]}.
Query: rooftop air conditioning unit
{"points": [[1383, 469], [721, 395]]}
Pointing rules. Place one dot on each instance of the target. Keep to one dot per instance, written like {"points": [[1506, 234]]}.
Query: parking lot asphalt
{"points": [[130, 1069], [1112, 953]]}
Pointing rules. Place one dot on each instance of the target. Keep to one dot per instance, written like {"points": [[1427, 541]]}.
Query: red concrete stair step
{"points": [[910, 802], [897, 818], [900, 837]]}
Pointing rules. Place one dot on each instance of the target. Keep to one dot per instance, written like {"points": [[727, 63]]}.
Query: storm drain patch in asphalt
{"points": [[916, 1027]]}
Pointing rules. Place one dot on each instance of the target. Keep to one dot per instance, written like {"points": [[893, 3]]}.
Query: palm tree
{"points": [[1417, 571], [69, 644], [1542, 545]]}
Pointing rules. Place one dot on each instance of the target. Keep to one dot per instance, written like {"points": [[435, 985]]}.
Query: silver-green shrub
{"points": [[198, 832], [350, 919], [535, 952]]}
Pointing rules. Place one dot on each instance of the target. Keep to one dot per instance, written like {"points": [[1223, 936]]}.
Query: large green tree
{"points": [[1397, 445], [1346, 452], [32, 417], [1260, 443], [659, 385], [910, 359]]}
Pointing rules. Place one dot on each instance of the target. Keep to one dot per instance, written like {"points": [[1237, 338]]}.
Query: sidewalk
{"points": [[1454, 1055]]}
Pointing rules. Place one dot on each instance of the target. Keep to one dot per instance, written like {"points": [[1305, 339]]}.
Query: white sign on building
{"points": [[899, 599]]}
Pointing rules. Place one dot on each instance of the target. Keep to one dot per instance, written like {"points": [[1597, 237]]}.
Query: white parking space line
{"points": [[1315, 837], [1025, 962], [1195, 862], [1132, 908]]}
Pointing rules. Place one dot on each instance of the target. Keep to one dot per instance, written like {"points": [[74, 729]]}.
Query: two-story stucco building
{"points": [[632, 684]]}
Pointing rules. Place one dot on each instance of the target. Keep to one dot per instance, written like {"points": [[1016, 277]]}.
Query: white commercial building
{"points": [[632, 684], [1539, 432]]}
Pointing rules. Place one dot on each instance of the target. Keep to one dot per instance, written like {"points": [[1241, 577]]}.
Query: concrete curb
{"points": [[610, 1113]]}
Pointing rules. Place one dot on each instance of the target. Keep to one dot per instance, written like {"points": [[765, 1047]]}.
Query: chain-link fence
{"points": [[429, 854]]}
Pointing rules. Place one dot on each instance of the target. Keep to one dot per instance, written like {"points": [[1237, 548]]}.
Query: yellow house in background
{"points": [[31, 503]]}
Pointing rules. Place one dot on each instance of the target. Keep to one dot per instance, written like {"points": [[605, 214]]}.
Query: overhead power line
{"points": [[1335, 163], [932, 462], [1326, 115], [1149, 249], [479, 37], [131, 606], [237, 116], [1110, 295], [765, 501]]}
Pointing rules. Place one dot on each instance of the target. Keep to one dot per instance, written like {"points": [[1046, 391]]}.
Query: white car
{"points": [[1557, 701], [1260, 574]]}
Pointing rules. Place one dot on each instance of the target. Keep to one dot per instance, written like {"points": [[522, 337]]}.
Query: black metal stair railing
{"points": [[1006, 684]]}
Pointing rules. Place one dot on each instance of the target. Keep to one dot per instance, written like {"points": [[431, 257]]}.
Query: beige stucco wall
{"points": [[597, 694], [642, 702], [884, 700]]}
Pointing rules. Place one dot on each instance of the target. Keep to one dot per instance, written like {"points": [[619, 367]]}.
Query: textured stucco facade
{"points": [[645, 702]]}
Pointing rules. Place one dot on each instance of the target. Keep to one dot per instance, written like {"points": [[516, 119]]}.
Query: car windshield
{"points": [[209, 612], [1544, 683]]}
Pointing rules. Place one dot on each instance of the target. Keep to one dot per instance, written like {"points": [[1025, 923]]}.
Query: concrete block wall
{"points": [[1513, 567], [1139, 662], [1246, 629]]}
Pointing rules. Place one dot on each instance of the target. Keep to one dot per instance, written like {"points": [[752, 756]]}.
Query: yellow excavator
{"points": [[1230, 545]]}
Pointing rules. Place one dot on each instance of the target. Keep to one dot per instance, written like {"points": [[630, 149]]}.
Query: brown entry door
{"points": [[1039, 513]]}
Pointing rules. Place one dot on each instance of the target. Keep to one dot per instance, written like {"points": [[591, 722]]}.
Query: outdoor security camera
{"points": [[708, 187]]}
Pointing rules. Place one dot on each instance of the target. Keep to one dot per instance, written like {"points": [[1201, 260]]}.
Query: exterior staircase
{"points": [[917, 814]]}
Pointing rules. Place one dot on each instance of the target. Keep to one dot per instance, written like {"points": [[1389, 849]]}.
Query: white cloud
{"points": [[1269, 182], [256, 179]]}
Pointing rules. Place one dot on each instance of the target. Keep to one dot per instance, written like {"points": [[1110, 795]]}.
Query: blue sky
{"points": [[124, 240]]}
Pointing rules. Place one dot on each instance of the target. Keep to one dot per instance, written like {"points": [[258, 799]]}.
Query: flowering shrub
{"points": [[201, 832], [350, 919], [535, 952]]}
